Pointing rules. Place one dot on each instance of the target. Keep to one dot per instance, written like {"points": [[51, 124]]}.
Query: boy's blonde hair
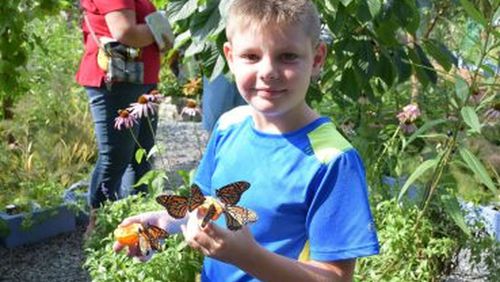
{"points": [[274, 13]]}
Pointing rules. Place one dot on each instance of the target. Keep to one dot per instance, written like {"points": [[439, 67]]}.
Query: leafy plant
{"points": [[426, 249], [176, 263], [52, 143], [16, 41]]}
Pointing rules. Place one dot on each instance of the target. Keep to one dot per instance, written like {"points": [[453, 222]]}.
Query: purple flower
{"points": [[192, 112], [125, 119], [407, 117], [154, 97], [146, 104], [477, 96], [410, 113], [191, 109], [493, 114]]}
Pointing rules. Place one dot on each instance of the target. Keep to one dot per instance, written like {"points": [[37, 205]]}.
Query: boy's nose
{"points": [[268, 70]]}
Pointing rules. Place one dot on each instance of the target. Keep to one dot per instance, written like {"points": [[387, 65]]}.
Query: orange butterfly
{"points": [[150, 237], [237, 216], [212, 210], [231, 193], [177, 206]]}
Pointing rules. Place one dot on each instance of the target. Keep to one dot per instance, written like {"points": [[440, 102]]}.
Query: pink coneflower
{"points": [[477, 96], [191, 109], [145, 105], [407, 118], [493, 114], [125, 119], [410, 113], [155, 97]]}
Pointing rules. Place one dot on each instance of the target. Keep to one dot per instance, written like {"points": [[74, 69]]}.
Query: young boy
{"points": [[307, 182]]}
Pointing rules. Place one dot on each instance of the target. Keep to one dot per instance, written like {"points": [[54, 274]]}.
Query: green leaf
{"points": [[440, 53], [149, 177], [452, 207], [423, 68], [345, 2], [349, 84], [385, 69], [218, 68], [206, 23], [421, 169], [427, 66], [461, 89], [153, 151], [471, 119], [179, 10], [473, 12], [428, 125], [400, 59], [374, 7], [477, 167], [139, 155], [408, 15]]}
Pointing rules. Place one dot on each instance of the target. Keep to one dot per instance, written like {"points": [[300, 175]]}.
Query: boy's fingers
{"points": [[133, 251], [117, 247], [129, 220]]}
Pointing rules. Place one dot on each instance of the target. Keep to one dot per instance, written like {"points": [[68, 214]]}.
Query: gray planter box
{"points": [[46, 223]]}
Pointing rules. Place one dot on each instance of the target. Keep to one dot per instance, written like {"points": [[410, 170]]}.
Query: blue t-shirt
{"points": [[308, 189]]}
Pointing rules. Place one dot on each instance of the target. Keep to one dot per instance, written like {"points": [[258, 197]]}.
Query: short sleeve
{"points": [[339, 221], [204, 172]]}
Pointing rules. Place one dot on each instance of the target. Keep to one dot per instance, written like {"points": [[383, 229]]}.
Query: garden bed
{"points": [[24, 228]]}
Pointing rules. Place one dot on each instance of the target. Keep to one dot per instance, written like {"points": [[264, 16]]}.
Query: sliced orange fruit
{"points": [[128, 235], [206, 205]]}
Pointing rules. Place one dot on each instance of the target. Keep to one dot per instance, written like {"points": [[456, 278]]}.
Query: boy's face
{"points": [[273, 67]]}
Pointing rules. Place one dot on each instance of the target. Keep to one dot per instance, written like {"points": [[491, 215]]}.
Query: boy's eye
{"points": [[289, 57], [250, 57]]}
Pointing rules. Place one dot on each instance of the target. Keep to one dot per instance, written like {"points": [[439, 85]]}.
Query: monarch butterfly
{"points": [[177, 206], [210, 213], [149, 238], [231, 193], [237, 216]]}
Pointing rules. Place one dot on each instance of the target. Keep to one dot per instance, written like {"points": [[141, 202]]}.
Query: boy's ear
{"points": [[319, 58], [228, 53]]}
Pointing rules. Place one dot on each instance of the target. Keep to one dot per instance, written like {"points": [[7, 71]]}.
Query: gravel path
{"points": [[60, 258]]}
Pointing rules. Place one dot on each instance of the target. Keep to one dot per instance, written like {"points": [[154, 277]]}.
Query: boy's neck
{"points": [[288, 122]]}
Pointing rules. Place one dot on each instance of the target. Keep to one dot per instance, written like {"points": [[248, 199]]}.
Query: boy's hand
{"points": [[158, 218], [219, 243]]}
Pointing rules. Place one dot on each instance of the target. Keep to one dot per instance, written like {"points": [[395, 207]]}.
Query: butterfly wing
{"points": [[210, 213], [150, 238], [144, 245], [231, 193], [231, 222], [176, 206], [237, 216], [196, 199], [155, 235]]}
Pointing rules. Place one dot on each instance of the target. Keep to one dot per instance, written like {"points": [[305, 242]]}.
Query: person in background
{"points": [[115, 169], [307, 183], [219, 96]]}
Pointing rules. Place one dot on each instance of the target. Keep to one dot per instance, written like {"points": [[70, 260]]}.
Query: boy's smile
{"points": [[272, 68]]}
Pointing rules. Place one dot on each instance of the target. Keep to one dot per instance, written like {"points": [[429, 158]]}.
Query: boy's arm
{"points": [[240, 249], [268, 266]]}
